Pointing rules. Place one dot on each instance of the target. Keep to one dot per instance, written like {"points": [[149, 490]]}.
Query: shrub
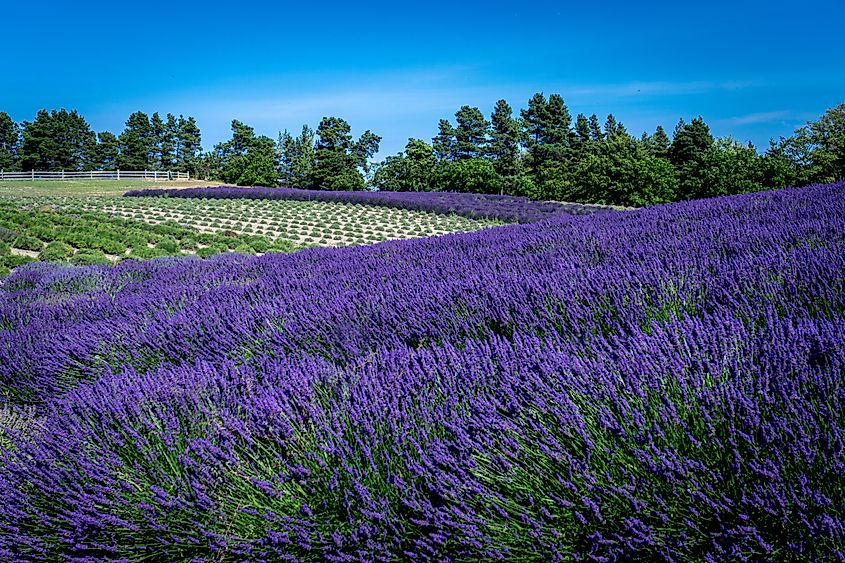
{"points": [[89, 257], [56, 251], [27, 243], [168, 244]]}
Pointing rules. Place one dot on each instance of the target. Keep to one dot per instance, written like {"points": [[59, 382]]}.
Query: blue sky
{"points": [[753, 70]]}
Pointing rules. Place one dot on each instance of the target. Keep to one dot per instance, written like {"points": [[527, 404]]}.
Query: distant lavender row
{"points": [[660, 385], [511, 209]]}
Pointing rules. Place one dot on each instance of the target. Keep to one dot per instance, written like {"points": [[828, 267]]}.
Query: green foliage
{"points": [[725, 168], [296, 158], [56, 251], [690, 140], [168, 244], [10, 143], [408, 172], [470, 133], [247, 159], [474, 175], [89, 257], [137, 143], [27, 243], [503, 148], [619, 171], [57, 140], [244, 249], [338, 158]]}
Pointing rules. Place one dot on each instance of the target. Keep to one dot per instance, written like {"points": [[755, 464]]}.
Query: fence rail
{"points": [[155, 175]]}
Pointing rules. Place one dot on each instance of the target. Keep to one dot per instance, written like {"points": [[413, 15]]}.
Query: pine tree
{"points": [[169, 143], [305, 156], [503, 148], [137, 143], [582, 129], [660, 143], [534, 120], [689, 141], [596, 133], [10, 142], [108, 149], [444, 142], [614, 128], [338, 158], [470, 133], [58, 140], [188, 145], [157, 132]]}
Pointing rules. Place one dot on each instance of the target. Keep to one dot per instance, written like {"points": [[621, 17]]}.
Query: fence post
{"points": [[32, 172], [118, 173]]}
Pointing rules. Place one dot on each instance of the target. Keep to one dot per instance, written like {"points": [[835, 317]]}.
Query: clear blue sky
{"points": [[753, 70]]}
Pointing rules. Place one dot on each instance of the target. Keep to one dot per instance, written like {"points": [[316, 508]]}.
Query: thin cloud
{"points": [[759, 117]]}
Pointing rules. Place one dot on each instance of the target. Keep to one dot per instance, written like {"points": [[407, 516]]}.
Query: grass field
{"points": [[85, 187]]}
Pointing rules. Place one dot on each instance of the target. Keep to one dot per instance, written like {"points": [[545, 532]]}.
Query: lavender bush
{"points": [[511, 209], [664, 384]]}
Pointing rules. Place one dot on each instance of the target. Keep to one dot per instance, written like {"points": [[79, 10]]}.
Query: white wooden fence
{"points": [[155, 175]]}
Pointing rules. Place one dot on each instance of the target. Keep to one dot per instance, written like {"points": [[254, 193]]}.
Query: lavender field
{"points": [[665, 384], [513, 209]]}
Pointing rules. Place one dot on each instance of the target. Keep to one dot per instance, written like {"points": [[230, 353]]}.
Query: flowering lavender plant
{"points": [[659, 385]]}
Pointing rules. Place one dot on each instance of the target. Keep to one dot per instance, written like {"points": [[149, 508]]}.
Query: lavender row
{"points": [[658, 385], [513, 209]]}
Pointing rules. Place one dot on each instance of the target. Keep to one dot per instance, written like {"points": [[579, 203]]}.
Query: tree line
{"points": [[544, 154], [63, 140], [540, 152]]}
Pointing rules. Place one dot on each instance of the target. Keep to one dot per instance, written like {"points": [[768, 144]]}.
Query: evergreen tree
{"points": [[364, 149], [444, 143], [660, 143], [582, 130], [503, 148], [10, 142], [614, 128], [137, 144], [596, 133], [534, 120], [188, 145], [689, 140], [168, 145], [470, 133], [58, 140], [557, 134], [108, 149], [305, 155], [157, 132], [338, 157], [286, 151]]}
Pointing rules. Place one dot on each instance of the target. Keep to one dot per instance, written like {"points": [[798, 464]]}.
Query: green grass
{"points": [[83, 187]]}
